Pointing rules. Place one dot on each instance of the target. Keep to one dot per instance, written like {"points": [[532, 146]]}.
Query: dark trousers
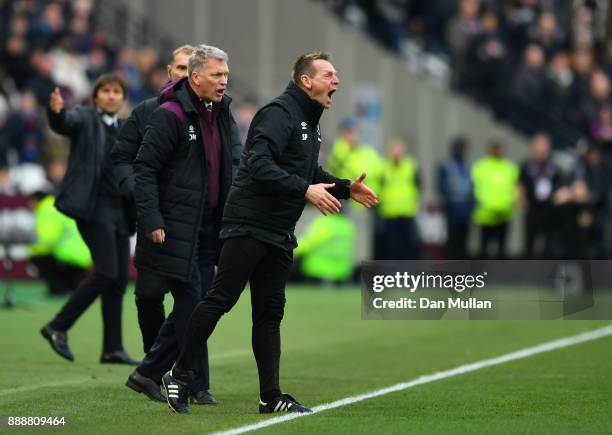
{"points": [[538, 226], [60, 278], [456, 243], [496, 235], [186, 296], [149, 293], [267, 268], [400, 239], [109, 244]]}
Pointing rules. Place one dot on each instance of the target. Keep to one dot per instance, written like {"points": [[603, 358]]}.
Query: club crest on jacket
{"points": [[192, 135]]}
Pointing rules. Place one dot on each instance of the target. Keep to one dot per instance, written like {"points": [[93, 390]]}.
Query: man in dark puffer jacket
{"points": [[183, 174], [278, 173], [150, 288]]}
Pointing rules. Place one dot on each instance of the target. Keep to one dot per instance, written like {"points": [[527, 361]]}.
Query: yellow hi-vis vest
{"points": [[495, 189], [328, 248], [59, 236], [399, 194], [345, 163]]}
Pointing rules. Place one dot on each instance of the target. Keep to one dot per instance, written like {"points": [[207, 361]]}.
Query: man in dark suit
{"points": [[89, 194]]}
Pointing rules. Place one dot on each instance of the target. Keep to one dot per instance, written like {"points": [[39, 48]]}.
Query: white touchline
{"points": [[466, 368]]}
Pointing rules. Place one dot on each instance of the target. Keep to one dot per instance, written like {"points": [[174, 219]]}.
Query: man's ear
{"points": [[306, 81]]}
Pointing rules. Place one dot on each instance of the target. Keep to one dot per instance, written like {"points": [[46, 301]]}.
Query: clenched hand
{"points": [[157, 236]]}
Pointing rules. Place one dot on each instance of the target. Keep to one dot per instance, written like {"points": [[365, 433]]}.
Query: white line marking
{"points": [[466, 368]]}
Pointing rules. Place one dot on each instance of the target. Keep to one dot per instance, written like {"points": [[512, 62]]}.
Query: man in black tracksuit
{"points": [[183, 174], [278, 173], [150, 289], [90, 195]]}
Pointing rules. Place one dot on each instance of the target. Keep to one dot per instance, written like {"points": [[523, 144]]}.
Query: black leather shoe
{"points": [[118, 357], [203, 398], [147, 386], [58, 341]]}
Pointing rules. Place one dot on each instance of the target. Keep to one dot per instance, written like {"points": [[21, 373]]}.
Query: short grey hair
{"points": [[201, 54]]}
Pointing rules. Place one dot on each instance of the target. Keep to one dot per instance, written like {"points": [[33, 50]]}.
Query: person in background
{"points": [[595, 174], [59, 254], [348, 154], [495, 181], [539, 179], [399, 199], [457, 195], [90, 195], [326, 251], [574, 221], [347, 158], [26, 130]]}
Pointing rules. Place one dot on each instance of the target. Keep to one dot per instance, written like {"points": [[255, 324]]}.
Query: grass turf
{"points": [[328, 354]]}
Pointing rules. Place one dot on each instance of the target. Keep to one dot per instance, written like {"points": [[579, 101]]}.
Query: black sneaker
{"points": [[177, 393], [58, 341], [203, 398], [284, 403]]}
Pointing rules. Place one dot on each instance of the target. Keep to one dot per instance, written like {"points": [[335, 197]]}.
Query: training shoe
{"points": [[284, 403], [146, 386], [203, 398], [177, 393], [118, 357], [58, 341]]}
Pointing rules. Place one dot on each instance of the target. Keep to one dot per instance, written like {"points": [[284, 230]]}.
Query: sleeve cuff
{"points": [[302, 188], [152, 223]]}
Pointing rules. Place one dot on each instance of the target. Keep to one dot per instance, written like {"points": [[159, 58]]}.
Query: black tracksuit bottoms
{"points": [[266, 268], [149, 293]]}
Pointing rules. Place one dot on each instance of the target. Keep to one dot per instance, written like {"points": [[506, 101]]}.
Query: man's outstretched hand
{"points": [[318, 196], [362, 193]]}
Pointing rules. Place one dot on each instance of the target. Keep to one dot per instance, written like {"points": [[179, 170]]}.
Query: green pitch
{"points": [[328, 354]]}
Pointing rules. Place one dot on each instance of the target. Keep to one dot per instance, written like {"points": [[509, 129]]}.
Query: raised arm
{"points": [[62, 121]]}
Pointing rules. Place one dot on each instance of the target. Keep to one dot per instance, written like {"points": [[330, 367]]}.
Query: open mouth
{"points": [[330, 93]]}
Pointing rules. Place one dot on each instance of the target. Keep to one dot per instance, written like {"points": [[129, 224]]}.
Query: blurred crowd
{"points": [[538, 64], [564, 207], [54, 43], [46, 44]]}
